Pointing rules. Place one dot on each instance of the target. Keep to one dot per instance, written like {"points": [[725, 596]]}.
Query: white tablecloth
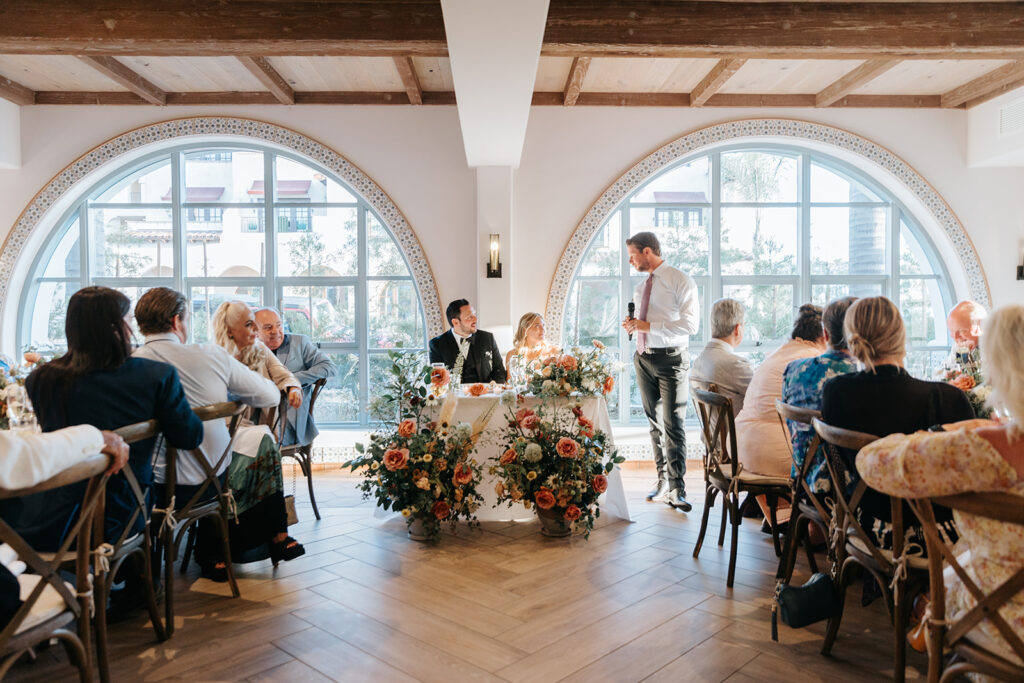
{"points": [[595, 409]]}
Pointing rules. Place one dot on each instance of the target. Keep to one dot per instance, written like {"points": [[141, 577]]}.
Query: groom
{"points": [[482, 359]]}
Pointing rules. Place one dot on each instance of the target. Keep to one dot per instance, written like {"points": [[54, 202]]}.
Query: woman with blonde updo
{"points": [[884, 399], [529, 344], [234, 328]]}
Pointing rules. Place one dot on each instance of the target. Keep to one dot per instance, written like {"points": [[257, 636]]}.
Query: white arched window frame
{"points": [[378, 275], [910, 269]]}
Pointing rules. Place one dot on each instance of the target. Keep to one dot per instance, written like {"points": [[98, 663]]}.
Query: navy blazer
{"points": [[137, 391], [483, 364]]}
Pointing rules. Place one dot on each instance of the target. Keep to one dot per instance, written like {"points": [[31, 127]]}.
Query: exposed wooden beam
{"points": [[864, 73], [994, 94], [231, 98], [407, 72], [121, 74], [716, 78], [267, 75], [983, 85], [696, 28], [596, 99], [574, 83], [16, 92]]}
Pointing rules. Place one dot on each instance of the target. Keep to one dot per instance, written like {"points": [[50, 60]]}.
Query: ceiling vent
{"points": [[1011, 117]]}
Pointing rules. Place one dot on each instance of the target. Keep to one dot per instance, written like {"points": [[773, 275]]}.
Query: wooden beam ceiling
{"points": [[268, 76], [125, 77], [407, 72], [649, 28], [716, 78], [16, 92], [864, 73], [574, 82], [992, 82]]}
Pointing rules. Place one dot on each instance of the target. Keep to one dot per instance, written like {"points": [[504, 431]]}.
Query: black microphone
{"points": [[630, 308]]}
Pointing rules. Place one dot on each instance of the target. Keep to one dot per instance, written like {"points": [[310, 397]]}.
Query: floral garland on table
{"points": [[963, 370], [417, 466], [556, 459], [587, 373]]}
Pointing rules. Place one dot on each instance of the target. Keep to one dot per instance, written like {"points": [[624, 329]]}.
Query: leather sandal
{"points": [[288, 549]]}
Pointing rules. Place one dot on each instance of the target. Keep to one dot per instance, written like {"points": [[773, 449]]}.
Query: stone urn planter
{"points": [[553, 523]]}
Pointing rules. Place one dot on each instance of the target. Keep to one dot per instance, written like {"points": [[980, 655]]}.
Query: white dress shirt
{"points": [[28, 458], [673, 309], [208, 374]]}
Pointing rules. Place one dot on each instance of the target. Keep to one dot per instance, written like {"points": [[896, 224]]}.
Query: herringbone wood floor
{"points": [[503, 603]]}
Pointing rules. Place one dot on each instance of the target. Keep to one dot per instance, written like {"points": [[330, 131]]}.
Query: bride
{"points": [[528, 344]]}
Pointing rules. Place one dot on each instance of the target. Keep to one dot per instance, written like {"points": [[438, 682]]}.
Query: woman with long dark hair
{"points": [[97, 382]]}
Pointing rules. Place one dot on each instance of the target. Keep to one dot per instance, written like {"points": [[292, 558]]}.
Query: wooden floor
{"points": [[503, 603]]}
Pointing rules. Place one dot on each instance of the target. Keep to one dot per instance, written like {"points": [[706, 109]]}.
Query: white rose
{"points": [[533, 453], [464, 430]]}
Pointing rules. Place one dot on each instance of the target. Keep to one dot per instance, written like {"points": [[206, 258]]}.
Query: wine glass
{"points": [[19, 408]]}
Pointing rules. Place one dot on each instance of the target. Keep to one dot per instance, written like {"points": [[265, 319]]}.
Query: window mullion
{"points": [[804, 223], [627, 295], [270, 232], [715, 241], [179, 232], [362, 326]]}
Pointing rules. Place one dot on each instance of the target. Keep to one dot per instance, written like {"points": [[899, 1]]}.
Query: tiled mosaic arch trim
{"points": [[247, 129], [753, 128]]}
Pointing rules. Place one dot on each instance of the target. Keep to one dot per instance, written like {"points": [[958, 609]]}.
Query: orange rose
{"points": [[572, 513], [508, 456], [441, 464], [545, 499], [609, 384], [441, 510], [600, 483], [32, 357], [477, 390], [396, 458], [567, 362], [531, 421], [963, 382], [462, 474], [406, 428], [567, 448], [586, 427], [522, 414], [439, 377]]}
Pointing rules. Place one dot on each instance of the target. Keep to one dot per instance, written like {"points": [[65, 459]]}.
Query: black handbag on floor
{"points": [[800, 606]]}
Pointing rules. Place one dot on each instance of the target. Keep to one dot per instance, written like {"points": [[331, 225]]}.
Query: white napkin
{"points": [[248, 439]]}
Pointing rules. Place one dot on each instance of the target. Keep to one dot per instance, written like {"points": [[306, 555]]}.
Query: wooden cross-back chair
{"points": [[899, 572], [52, 604], [303, 454], [174, 526], [724, 474], [968, 652], [807, 507]]}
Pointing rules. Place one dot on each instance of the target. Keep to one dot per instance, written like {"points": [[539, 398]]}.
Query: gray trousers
{"points": [[664, 391]]}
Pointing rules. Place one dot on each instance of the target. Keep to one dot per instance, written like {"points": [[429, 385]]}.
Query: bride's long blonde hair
{"points": [[525, 323]]}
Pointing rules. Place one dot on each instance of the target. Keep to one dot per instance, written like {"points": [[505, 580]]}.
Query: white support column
{"points": [[494, 202], [10, 135]]}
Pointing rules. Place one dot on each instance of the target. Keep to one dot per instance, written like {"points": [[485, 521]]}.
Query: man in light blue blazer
{"points": [[306, 362]]}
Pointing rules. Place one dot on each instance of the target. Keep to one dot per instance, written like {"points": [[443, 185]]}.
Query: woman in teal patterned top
{"points": [[802, 385]]}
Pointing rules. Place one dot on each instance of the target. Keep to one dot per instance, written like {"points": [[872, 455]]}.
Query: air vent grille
{"points": [[1011, 117]]}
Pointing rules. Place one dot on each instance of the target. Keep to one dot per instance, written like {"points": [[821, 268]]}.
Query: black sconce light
{"points": [[494, 263]]}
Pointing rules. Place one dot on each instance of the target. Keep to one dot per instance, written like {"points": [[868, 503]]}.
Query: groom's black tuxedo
{"points": [[483, 363]]}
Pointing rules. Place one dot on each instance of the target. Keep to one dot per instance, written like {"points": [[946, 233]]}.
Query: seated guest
{"points": [[718, 363], [802, 384], [234, 328], [759, 437], [28, 459], [481, 358], [964, 324], [97, 382], [528, 344], [989, 458], [305, 361], [210, 375], [884, 399]]}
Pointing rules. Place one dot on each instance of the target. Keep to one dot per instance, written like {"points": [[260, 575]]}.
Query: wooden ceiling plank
{"points": [[16, 92], [268, 76], [716, 78], [121, 74], [994, 94], [978, 88], [407, 72], [867, 71], [574, 83]]}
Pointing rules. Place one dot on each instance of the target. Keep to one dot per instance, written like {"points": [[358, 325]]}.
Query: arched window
{"points": [[770, 225], [238, 221]]}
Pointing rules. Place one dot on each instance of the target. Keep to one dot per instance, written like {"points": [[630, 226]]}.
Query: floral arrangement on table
{"points": [[584, 372], [556, 460], [14, 376], [963, 370], [414, 465]]}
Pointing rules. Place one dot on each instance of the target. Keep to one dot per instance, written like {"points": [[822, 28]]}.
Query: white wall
{"points": [[571, 155]]}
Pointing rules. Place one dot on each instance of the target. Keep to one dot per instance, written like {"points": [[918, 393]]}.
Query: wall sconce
{"points": [[494, 264], [1020, 272]]}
